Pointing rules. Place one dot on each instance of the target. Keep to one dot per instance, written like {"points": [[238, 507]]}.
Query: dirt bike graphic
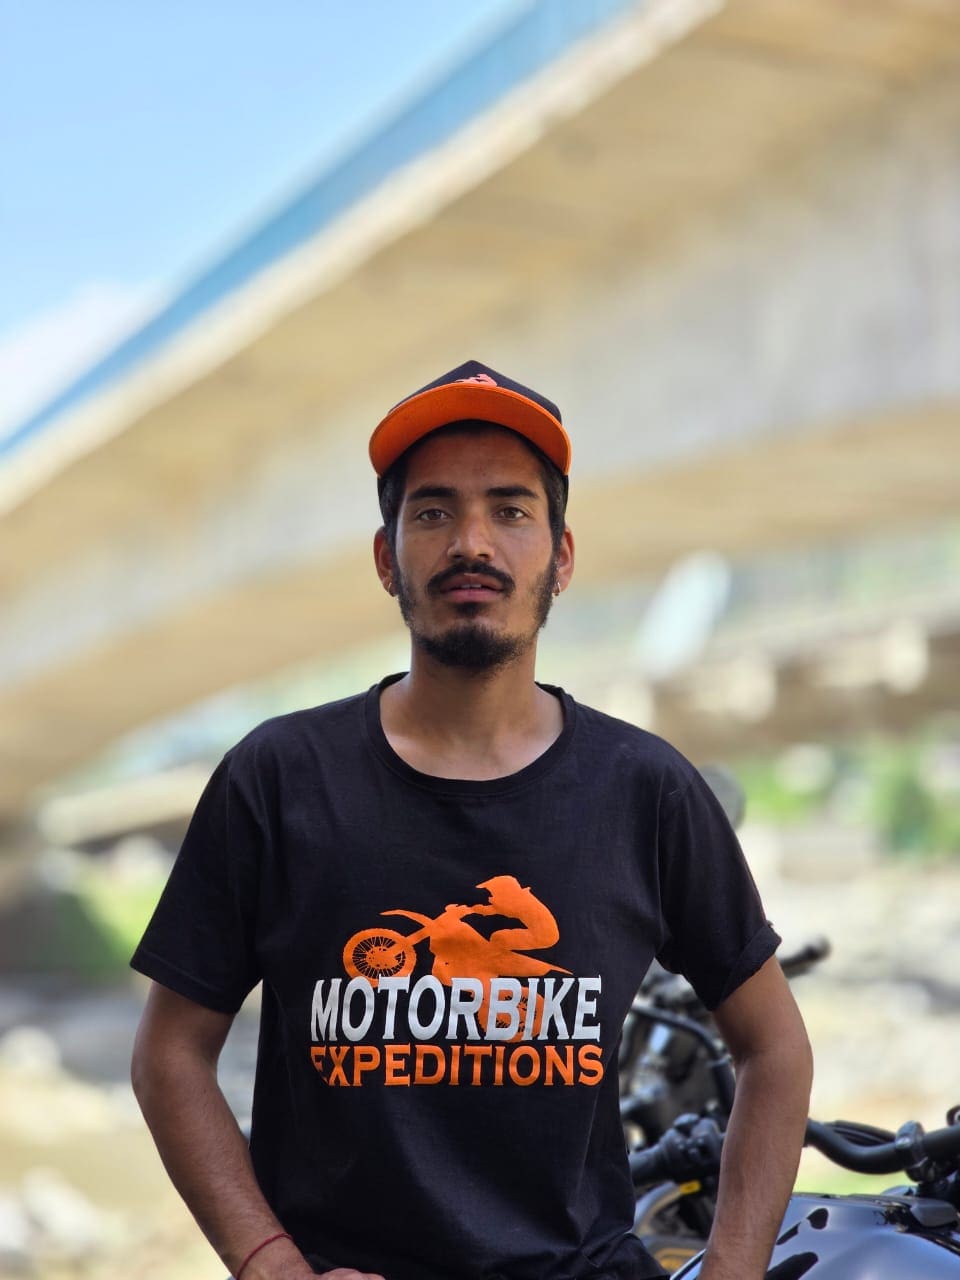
{"points": [[458, 949]]}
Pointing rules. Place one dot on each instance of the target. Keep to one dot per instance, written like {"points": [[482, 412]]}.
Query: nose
{"points": [[471, 538]]}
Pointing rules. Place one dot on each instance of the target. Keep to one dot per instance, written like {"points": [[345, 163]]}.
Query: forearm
{"points": [[208, 1161], [761, 1151]]}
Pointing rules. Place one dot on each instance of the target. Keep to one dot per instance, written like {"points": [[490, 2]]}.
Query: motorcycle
{"points": [[672, 1060], [908, 1232], [675, 1070], [672, 1064]]}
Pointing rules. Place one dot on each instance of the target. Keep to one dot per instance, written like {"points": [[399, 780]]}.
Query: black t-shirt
{"points": [[446, 966]]}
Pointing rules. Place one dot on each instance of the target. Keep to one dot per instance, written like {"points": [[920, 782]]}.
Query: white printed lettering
{"points": [[503, 1012], [392, 986], [586, 1008], [363, 987], [532, 1005], [466, 997], [323, 1017], [551, 1008], [424, 1030]]}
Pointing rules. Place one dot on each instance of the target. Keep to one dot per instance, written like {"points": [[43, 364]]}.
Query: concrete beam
{"points": [[734, 265]]}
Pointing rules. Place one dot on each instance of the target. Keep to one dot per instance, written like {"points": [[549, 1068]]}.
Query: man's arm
{"points": [[764, 1031], [174, 1075]]}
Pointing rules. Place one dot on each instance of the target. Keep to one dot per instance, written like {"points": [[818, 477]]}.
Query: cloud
{"points": [[42, 357]]}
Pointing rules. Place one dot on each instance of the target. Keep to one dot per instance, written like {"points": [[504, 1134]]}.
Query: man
{"points": [[450, 888]]}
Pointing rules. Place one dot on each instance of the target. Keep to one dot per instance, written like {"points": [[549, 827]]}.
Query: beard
{"points": [[469, 644]]}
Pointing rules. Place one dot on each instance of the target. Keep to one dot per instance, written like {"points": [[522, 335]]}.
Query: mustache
{"points": [[440, 580]]}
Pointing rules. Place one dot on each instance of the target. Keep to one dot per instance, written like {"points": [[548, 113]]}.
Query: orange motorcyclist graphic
{"points": [[458, 949]]}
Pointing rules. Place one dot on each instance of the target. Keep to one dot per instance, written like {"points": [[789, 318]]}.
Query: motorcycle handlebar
{"points": [[691, 1149], [800, 961], [648, 1166], [910, 1146]]}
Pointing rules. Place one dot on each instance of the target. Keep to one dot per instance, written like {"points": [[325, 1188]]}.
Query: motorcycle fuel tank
{"points": [[884, 1237]]}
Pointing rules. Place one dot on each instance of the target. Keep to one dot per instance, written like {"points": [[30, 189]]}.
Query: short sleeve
{"points": [[717, 934], [201, 940]]}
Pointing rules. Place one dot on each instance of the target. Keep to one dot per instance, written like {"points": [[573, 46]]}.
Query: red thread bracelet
{"points": [[281, 1235]]}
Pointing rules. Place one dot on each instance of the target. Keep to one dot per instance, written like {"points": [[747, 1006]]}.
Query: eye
{"points": [[430, 515], [511, 514]]}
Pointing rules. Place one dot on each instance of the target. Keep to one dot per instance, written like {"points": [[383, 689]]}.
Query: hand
{"points": [[301, 1270], [288, 1263], [347, 1273]]}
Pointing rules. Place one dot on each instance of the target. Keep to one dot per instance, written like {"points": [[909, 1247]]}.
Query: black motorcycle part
{"points": [[690, 1150], [861, 1238], [910, 1149]]}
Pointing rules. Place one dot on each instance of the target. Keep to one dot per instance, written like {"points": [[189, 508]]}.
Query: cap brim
{"points": [[415, 418]]}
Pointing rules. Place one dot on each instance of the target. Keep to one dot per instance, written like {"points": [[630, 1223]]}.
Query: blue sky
{"points": [[140, 140]]}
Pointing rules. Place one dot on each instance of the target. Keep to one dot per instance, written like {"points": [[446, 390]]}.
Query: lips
{"points": [[470, 587], [471, 582]]}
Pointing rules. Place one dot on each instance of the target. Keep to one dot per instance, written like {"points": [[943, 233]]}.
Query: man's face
{"points": [[475, 569]]}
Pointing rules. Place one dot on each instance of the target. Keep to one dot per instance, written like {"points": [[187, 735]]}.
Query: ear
{"points": [[383, 559], [565, 558]]}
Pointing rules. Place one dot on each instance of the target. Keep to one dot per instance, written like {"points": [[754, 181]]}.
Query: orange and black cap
{"points": [[471, 391]]}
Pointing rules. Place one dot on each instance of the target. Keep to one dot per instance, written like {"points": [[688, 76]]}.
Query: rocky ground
{"points": [[883, 1010], [82, 1193]]}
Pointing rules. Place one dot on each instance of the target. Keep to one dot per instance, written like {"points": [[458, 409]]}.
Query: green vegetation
{"points": [[86, 929], [906, 789], [916, 811], [828, 1179], [120, 911]]}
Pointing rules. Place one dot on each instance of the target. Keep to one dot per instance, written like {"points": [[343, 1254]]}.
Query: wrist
{"points": [[275, 1257], [717, 1266]]}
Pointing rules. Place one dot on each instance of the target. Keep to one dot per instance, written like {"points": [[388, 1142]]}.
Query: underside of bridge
{"points": [[722, 236]]}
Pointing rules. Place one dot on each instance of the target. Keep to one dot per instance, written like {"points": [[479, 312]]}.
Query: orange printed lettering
{"points": [[528, 1052], [338, 1053], [562, 1065], [498, 1053], [477, 1052], [397, 1055], [439, 1062], [589, 1058], [365, 1058]]}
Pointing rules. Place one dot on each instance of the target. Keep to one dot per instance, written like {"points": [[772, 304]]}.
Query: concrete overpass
{"points": [[721, 236]]}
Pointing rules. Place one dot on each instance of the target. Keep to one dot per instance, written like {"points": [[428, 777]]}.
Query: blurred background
{"points": [[723, 236]]}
